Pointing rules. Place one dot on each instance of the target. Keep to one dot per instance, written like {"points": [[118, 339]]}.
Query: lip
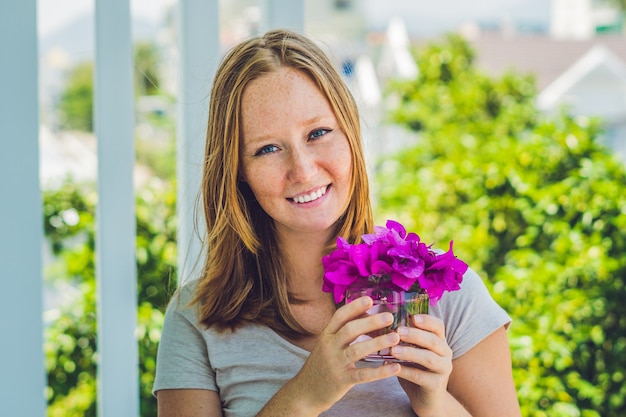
{"points": [[313, 195]]}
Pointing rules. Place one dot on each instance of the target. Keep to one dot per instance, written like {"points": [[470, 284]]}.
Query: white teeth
{"points": [[307, 198]]}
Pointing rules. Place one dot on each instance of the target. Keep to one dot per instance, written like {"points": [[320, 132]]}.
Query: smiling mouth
{"points": [[312, 196]]}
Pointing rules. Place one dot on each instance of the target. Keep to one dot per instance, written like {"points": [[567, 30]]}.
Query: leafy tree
{"points": [[157, 150], [146, 68], [70, 342], [536, 205], [621, 4], [76, 103]]}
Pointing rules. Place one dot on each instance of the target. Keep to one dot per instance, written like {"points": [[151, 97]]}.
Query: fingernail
{"points": [[387, 318], [397, 350], [403, 331], [418, 318], [395, 367], [392, 338]]}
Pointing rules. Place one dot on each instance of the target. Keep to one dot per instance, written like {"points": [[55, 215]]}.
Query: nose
{"points": [[302, 165]]}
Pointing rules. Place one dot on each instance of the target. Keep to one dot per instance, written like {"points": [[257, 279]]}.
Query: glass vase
{"points": [[402, 304]]}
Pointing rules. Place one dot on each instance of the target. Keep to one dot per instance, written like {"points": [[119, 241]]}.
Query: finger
{"points": [[429, 323], [363, 326], [420, 376], [361, 349], [348, 312], [368, 374], [425, 339], [423, 359]]}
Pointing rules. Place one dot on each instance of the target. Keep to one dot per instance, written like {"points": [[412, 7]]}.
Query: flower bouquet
{"points": [[399, 272]]}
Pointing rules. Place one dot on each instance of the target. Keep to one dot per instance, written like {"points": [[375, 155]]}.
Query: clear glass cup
{"points": [[402, 304]]}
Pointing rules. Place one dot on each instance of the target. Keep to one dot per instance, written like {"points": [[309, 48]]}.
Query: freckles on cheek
{"points": [[261, 182]]}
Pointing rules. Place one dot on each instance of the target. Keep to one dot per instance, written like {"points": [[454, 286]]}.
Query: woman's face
{"points": [[294, 156]]}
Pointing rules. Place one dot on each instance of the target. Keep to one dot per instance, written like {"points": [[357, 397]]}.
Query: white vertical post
{"points": [[198, 29], [282, 14], [22, 371], [118, 380]]}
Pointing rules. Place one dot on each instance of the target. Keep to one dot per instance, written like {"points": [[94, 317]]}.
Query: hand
{"points": [[425, 379], [330, 371]]}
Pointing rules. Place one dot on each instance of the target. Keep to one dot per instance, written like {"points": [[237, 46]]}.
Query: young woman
{"points": [[284, 175]]}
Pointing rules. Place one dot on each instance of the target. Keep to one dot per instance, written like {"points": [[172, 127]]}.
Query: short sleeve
{"points": [[469, 314], [182, 359]]}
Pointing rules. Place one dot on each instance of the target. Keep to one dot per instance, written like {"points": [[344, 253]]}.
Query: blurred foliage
{"points": [[621, 4], [69, 211], [537, 205], [70, 339], [158, 155], [76, 102], [147, 60]]}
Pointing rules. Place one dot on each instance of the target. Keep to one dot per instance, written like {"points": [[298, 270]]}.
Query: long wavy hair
{"points": [[243, 279]]}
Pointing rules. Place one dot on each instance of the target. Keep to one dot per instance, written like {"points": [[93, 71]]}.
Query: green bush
{"points": [[70, 339], [536, 205], [76, 102], [75, 105]]}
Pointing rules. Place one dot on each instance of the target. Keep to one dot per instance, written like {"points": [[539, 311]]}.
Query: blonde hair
{"points": [[243, 278]]}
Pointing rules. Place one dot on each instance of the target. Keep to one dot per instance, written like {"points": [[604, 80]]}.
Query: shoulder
{"points": [[183, 296], [187, 291], [473, 284], [473, 291], [469, 314], [181, 306]]}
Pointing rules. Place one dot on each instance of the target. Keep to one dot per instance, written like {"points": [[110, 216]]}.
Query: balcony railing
{"points": [[22, 371]]}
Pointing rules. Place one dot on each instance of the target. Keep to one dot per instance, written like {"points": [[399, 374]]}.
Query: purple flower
{"points": [[443, 273], [339, 270], [390, 258]]}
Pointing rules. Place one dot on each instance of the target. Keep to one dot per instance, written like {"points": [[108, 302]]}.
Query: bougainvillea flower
{"points": [[391, 258], [443, 273], [339, 279], [339, 271], [338, 276], [402, 281], [407, 260], [361, 255]]}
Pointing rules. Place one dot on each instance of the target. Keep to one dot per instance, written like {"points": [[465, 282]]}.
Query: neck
{"points": [[302, 257]]}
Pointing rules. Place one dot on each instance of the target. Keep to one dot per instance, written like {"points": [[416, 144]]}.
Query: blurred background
{"points": [[565, 45], [500, 124]]}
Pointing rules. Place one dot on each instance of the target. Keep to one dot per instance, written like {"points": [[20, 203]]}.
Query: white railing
{"points": [[116, 278], [22, 375], [22, 371]]}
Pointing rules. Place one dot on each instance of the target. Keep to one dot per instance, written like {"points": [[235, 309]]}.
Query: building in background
{"points": [[579, 63], [584, 19]]}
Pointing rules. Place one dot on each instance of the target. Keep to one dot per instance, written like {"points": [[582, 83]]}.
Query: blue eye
{"points": [[266, 149], [318, 133]]}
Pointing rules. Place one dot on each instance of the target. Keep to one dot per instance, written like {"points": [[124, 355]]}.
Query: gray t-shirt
{"points": [[249, 365]]}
